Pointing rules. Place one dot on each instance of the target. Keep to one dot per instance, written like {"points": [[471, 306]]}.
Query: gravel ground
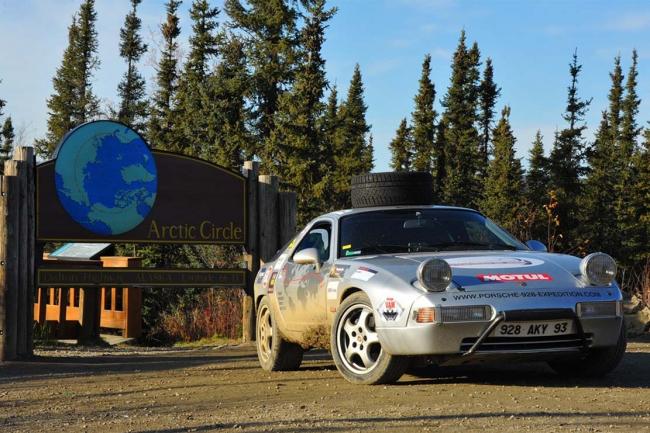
{"points": [[223, 389]]}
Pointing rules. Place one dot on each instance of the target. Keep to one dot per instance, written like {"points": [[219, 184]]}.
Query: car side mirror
{"points": [[308, 256], [536, 246]]}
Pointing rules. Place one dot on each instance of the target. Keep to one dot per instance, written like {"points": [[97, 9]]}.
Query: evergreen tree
{"points": [[636, 227], [565, 161], [423, 119], [440, 172], [192, 118], [7, 137], [329, 126], [228, 114], [353, 151], [462, 185], [73, 101], [503, 185], [488, 94], [400, 148], [268, 29], [536, 188], [161, 132], [629, 110], [132, 90], [615, 100], [297, 137]]}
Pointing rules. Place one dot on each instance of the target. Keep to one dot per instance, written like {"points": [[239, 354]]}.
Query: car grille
{"points": [[524, 344]]}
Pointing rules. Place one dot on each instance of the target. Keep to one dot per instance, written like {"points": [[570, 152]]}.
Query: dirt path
{"points": [[224, 390]]}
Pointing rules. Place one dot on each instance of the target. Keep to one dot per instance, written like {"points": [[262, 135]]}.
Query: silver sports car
{"points": [[384, 287]]}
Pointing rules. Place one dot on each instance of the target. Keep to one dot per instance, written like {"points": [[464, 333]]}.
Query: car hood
{"points": [[485, 270]]}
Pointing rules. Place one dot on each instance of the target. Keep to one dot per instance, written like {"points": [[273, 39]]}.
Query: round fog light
{"points": [[434, 275], [599, 269]]}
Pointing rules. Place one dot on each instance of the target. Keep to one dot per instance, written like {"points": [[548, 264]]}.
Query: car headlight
{"points": [[598, 268], [434, 275]]}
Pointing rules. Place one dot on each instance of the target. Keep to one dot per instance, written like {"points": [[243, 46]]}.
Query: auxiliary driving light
{"points": [[599, 309], [476, 313], [434, 274], [599, 269]]}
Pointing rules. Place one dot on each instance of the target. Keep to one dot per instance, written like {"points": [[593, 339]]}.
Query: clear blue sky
{"points": [[530, 42]]}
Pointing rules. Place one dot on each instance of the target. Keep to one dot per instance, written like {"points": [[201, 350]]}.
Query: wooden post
{"points": [[42, 290], [18, 169], [287, 202], [26, 154], [268, 217], [9, 197], [89, 315], [251, 171]]}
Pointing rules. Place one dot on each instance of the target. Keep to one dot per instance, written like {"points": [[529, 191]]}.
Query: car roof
{"points": [[345, 212]]}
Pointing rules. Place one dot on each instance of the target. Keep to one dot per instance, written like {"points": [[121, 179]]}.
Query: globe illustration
{"points": [[106, 177]]}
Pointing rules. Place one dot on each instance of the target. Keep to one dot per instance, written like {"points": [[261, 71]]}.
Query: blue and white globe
{"points": [[106, 177]]}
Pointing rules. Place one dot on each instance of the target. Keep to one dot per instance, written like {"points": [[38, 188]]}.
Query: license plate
{"points": [[534, 329]]}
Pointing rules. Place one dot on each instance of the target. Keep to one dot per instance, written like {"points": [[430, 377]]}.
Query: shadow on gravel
{"points": [[70, 366], [633, 372]]}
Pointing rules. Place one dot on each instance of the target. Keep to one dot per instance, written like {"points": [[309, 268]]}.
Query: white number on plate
{"points": [[532, 329]]}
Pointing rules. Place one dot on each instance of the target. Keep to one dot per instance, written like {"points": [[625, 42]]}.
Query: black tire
{"points": [[596, 363], [392, 189], [384, 368], [274, 352]]}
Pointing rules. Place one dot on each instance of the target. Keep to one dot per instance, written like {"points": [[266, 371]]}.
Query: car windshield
{"points": [[419, 230]]}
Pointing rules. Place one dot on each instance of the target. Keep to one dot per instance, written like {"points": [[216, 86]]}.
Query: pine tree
{"points": [[161, 132], [503, 185], [400, 148], [615, 101], [565, 161], [353, 150], [132, 90], [440, 163], [225, 101], [73, 101], [536, 188], [488, 94], [297, 137], [462, 185], [629, 110], [329, 126], [193, 113], [268, 29], [636, 230], [423, 121], [7, 137]]}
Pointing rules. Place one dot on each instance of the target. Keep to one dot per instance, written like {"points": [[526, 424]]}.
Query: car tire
{"points": [[273, 351], [365, 364], [596, 363], [392, 189]]}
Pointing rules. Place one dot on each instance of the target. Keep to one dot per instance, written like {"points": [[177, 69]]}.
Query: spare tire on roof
{"points": [[392, 189]]}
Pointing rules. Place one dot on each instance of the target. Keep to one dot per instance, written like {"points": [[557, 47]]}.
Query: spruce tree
{"points": [[228, 114], [488, 94], [268, 29], [7, 137], [353, 150], [192, 117], [629, 110], [423, 121], [636, 225], [566, 158], [503, 185], [400, 148], [536, 188], [73, 101], [161, 131], [615, 101], [329, 126], [132, 90], [462, 185], [297, 137], [440, 163]]}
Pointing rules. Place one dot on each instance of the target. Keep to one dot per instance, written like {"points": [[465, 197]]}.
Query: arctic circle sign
{"points": [[105, 184]]}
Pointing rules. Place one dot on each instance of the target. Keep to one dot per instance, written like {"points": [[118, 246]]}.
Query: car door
{"points": [[304, 287]]}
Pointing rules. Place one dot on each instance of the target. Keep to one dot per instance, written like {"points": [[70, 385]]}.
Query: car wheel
{"points": [[356, 350], [597, 362], [273, 351], [392, 189]]}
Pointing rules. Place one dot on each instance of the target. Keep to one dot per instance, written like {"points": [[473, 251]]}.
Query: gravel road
{"points": [[224, 390]]}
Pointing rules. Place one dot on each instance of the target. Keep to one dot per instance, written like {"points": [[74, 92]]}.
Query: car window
{"points": [[318, 237]]}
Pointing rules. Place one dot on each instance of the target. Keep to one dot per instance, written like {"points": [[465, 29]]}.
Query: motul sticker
{"points": [[390, 310], [514, 277]]}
